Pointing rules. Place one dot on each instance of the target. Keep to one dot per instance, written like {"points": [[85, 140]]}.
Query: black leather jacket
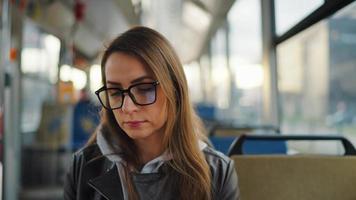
{"points": [[94, 177]]}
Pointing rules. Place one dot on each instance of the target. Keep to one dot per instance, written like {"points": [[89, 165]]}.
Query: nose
{"points": [[128, 106]]}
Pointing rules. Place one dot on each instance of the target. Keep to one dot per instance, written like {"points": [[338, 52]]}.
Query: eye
{"points": [[145, 87], [114, 93]]}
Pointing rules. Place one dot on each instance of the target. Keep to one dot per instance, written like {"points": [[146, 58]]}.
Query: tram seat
{"points": [[223, 137], [223, 144], [294, 177], [281, 177], [85, 120]]}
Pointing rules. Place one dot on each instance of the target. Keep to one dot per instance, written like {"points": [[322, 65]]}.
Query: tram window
{"points": [[316, 147], [237, 72], [39, 66], [290, 12], [316, 77]]}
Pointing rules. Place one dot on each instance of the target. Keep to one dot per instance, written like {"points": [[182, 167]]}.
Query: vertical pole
{"points": [[5, 84], [271, 111], [5, 49], [12, 36], [2, 88]]}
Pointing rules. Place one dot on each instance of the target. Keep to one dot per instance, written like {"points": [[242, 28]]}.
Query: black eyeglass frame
{"points": [[128, 91]]}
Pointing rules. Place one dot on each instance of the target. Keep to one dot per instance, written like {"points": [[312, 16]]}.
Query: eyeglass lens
{"points": [[141, 94]]}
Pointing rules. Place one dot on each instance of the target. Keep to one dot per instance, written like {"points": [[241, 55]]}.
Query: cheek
{"points": [[162, 117], [117, 117], [161, 113]]}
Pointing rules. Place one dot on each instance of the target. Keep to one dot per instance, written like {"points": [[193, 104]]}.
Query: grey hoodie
{"points": [[151, 167]]}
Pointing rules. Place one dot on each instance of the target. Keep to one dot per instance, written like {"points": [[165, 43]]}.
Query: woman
{"points": [[149, 142]]}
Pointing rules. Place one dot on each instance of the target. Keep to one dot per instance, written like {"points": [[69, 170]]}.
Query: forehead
{"points": [[123, 68]]}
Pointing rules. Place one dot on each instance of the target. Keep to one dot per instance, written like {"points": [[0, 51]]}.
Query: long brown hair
{"points": [[183, 128]]}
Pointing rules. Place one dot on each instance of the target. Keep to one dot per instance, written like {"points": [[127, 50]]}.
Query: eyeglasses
{"points": [[141, 94]]}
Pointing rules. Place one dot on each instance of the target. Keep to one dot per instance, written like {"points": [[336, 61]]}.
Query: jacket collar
{"points": [[108, 184]]}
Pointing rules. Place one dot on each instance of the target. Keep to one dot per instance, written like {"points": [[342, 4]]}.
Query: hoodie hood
{"points": [[150, 167]]}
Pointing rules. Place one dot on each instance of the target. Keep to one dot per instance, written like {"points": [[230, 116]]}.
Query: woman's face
{"points": [[139, 122]]}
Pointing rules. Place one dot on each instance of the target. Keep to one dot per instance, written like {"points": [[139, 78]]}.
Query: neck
{"points": [[149, 148]]}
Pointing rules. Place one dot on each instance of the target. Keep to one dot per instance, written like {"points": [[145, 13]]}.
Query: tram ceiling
{"points": [[220, 18], [198, 35], [103, 20]]}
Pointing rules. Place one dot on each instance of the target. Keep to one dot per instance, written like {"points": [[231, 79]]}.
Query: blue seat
{"points": [[223, 144], [85, 120], [264, 147], [276, 144]]}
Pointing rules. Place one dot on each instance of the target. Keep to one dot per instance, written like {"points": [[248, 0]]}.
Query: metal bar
{"points": [[324, 11], [237, 146]]}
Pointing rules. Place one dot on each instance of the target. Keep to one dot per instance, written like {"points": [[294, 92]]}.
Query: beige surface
{"points": [[296, 177]]}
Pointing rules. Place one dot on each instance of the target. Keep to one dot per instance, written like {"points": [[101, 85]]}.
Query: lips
{"points": [[134, 124]]}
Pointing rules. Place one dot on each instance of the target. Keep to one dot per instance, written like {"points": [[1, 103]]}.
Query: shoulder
{"points": [[88, 153], [220, 165], [90, 161], [87, 164], [224, 176], [214, 157], [89, 150]]}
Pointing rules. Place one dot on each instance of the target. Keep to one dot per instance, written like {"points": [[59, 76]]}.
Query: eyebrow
{"points": [[137, 80]]}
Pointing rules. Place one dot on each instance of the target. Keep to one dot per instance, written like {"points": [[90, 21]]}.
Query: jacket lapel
{"points": [[108, 184]]}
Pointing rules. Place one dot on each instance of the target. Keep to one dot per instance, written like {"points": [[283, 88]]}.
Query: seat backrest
{"points": [[267, 144], [231, 132], [281, 177], [85, 120], [223, 144]]}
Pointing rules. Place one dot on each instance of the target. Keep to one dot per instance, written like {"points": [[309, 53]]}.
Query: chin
{"points": [[137, 134]]}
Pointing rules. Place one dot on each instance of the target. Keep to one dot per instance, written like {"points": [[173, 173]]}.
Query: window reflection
{"points": [[39, 65], [316, 77], [290, 12], [44, 122], [220, 72], [40, 53], [192, 72], [232, 80], [245, 48]]}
